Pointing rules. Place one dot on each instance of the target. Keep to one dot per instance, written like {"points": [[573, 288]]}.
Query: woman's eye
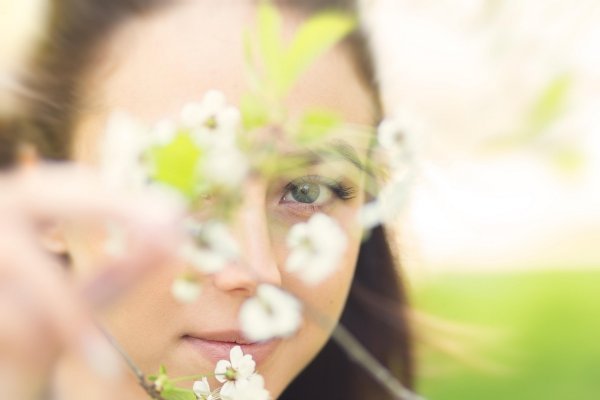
{"points": [[316, 191], [309, 193]]}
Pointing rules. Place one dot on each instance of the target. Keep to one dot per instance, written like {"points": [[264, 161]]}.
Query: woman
{"points": [[151, 57]]}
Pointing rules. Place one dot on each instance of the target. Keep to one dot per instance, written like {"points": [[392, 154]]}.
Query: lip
{"points": [[216, 345]]}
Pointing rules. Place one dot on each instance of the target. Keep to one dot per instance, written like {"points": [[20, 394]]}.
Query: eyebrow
{"points": [[347, 152], [337, 148]]}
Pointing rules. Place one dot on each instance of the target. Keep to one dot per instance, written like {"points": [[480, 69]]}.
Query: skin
{"points": [[151, 67], [45, 317]]}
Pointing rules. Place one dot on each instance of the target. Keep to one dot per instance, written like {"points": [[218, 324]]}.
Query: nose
{"points": [[257, 262]]}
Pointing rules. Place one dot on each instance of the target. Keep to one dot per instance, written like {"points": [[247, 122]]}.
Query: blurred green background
{"points": [[532, 335]]}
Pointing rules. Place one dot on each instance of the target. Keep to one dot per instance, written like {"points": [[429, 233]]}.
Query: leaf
{"points": [[175, 164], [174, 393], [546, 109], [315, 125], [550, 103], [269, 37], [253, 78], [314, 38], [568, 159], [254, 112]]}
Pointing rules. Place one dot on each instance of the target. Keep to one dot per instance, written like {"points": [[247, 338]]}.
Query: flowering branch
{"points": [[149, 388], [203, 160]]}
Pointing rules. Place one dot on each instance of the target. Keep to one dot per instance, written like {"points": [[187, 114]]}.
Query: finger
{"points": [[42, 316], [28, 346], [75, 380], [69, 193], [74, 192], [146, 251], [22, 332], [40, 283], [16, 382]]}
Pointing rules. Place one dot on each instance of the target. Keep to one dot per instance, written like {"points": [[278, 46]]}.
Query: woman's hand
{"points": [[44, 312]]}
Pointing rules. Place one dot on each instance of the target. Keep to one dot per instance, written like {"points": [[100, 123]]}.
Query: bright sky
{"points": [[468, 76]]}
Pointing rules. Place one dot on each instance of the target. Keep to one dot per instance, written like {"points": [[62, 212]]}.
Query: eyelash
{"points": [[337, 187]]}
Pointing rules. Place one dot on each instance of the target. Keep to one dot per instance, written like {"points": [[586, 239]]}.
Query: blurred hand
{"points": [[44, 313]]}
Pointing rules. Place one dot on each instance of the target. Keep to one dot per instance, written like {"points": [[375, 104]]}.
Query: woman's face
{"points": [[151, 68]]}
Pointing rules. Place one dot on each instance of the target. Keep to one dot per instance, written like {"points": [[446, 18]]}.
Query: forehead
{"points": [[154, 65]]}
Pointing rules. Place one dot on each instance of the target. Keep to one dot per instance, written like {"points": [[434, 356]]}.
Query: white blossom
{"points": [[163, 132], [202, 390], [386, 208], [212, 247], [252, 388], [316, 248], [270, 313], [185, 290], [397, 136], [214, 127], [396, 139], [199, 113], [370, 215], [225, 165], [123, 144], [234, 371], [390, 134], [212, 114]]}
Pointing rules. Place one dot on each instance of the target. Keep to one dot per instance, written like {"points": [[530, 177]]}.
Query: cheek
{"points": [[145, 310], [328, 296], [145, 320], [327, 299]]}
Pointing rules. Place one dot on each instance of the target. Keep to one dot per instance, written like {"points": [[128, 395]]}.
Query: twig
{"points": [[148, 387], [361, 356]]}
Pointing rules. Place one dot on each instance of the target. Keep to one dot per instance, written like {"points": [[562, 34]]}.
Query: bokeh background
{"points": [[500, 228]]}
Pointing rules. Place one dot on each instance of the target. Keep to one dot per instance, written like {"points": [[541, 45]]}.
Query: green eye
{"points": [[316, 191], [307, 192]]}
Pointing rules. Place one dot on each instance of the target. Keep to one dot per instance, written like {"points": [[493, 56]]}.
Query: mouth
{"points": [[216, 346]]}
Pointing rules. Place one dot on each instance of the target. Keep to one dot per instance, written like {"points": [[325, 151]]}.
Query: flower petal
{"points": [[228, 391], [202, 389], [271, 313], [246, 367], [220, 370], [235, 355]]}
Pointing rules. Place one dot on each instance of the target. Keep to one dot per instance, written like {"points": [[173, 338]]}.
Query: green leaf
{"points": [[254, 112], [253, 76], [175, 393], [269, 36], [568, 159], [550, 104], [313, 39], [315, 125], [175, 164], [546, 109]]}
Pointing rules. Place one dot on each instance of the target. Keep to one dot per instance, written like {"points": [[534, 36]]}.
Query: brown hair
{"points": [[376, 311]]}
